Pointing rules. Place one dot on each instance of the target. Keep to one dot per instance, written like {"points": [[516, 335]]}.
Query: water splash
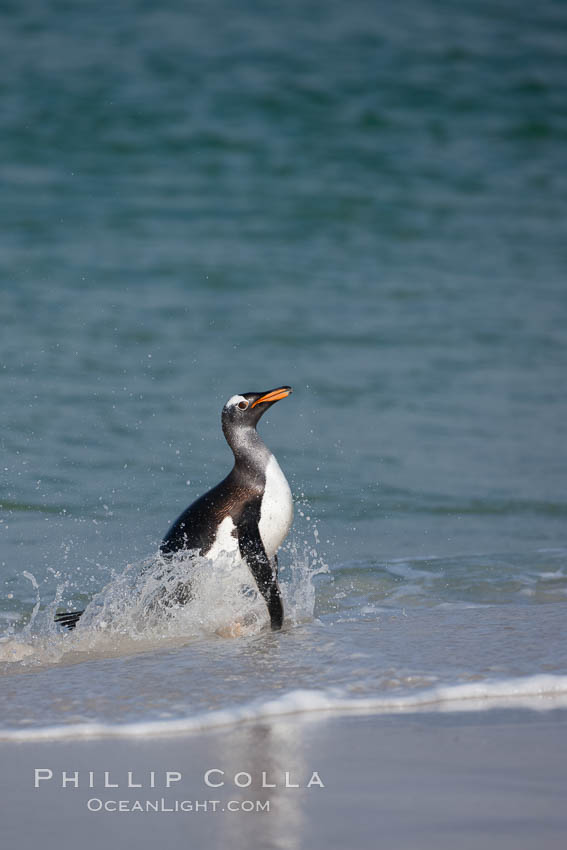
{"points": [[185, 596], [305, 564], [32, 579], [140, 608]]}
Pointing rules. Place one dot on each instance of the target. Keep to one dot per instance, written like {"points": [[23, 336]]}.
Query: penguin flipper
{"points": [[69, 619], [253, 552]]}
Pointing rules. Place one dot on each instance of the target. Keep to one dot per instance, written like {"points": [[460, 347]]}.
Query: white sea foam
{"points": [[541, 693]]}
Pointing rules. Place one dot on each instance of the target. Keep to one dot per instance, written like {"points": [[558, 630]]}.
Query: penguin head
{"points": [[245, 410]]}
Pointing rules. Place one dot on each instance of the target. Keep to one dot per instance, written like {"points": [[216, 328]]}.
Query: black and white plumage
{"points": [[249, 513]]}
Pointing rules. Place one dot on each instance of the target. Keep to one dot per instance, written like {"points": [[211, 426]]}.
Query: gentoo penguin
{"points": [[249, 513]]}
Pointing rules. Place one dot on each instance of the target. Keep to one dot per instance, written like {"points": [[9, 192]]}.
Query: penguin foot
{"points": [[232, 631]]}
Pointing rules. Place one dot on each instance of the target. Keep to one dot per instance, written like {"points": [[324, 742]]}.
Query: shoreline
{"points": [[541, 693], [424, 780]]}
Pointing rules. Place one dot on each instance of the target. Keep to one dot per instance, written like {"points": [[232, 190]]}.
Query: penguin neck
{"points": [[251, 454]]}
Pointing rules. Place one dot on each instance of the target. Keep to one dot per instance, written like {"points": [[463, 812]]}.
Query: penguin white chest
{"points": [[225, 539], [276, 512]]}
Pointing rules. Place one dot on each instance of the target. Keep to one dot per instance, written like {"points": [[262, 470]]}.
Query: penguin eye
{"points": [[243, 405]]}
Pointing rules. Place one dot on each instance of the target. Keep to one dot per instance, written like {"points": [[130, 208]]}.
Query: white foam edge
{"points": [[540, 692]]}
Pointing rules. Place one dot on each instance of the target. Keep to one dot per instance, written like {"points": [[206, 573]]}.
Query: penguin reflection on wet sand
{"points": [[248, 514]]}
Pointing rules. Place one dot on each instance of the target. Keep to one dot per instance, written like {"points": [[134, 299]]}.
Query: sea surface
{"points": [[365, 201]]}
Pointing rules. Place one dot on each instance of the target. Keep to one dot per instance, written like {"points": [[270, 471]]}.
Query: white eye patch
{"points": [[236, 399]]}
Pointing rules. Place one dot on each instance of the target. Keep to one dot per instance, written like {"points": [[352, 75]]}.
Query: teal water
{"points": [[366, 202]]}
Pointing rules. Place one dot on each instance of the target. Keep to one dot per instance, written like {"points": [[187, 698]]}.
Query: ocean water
{"points": [[367, 202]]}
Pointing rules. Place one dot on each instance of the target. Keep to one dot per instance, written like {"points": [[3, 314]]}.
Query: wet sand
{"points": [[490, 779]]}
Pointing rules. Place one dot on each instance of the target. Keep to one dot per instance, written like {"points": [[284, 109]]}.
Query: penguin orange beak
{"points": [[273, 395]]}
